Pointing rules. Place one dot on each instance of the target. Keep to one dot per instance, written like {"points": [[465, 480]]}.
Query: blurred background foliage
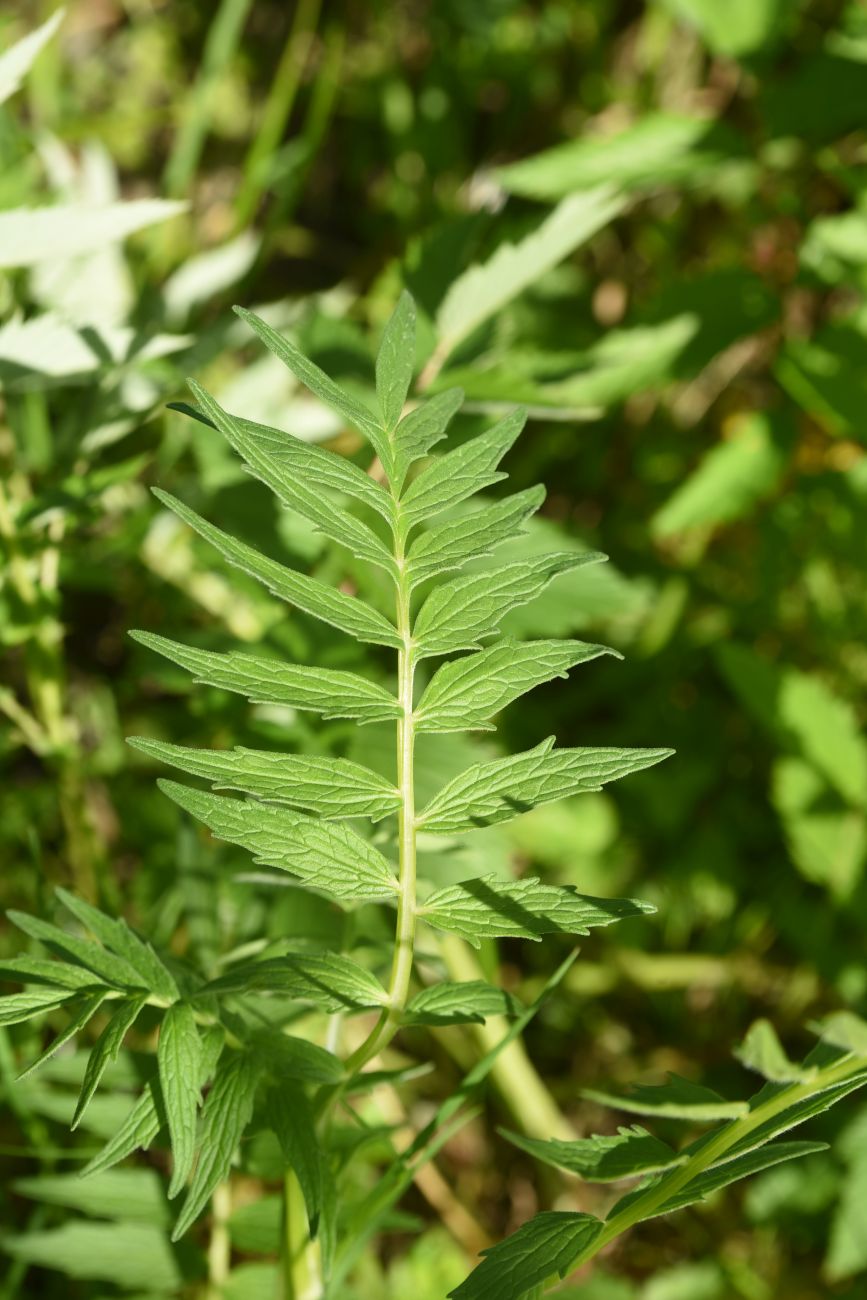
{"points": [[696, 380]]}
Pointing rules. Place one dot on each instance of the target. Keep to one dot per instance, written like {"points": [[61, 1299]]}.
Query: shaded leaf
{"points": [[179, 1057], [540, 1250], [632, 1151]]}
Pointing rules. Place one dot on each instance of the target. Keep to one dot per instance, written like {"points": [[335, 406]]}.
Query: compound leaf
{"points": [[332, 787], [489, 908], [395, 361], [117, 936], [326, 855], [105, 1050], [329, 980], [452, 544], [463, 1003], [422, 428], [459, 474], [110, 968], [331, 692], [464, 694], [501, 789]]}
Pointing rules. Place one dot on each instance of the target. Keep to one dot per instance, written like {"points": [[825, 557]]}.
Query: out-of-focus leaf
{"points": [[16, 62]]}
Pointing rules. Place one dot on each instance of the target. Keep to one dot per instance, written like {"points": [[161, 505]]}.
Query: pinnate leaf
{"points": [[87, 1008], [16, 1007], [117, 936], [464, 694], [677, 1099], [458, 613], [459, 474], [179, 1057], [110, 968], [331, 692], [629, 1153], [489, 908], [344, 612], [422, 428], [501, 789], [395, 361], [463, 1003], [227, 1111], [37, 970], [332, 787], [328, 856], [543, 1248]]}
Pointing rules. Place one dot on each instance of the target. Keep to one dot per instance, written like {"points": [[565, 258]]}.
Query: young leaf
{"points": [[117, 936], [295, 491], [331, 787], [501, 789], [395, 361], [289, 1115], [490, 908], [354, 412], [16, 1007], [227, 1111], [315, 465], [468, 1002], [677, 1099], [762, 1051], [452, 544], [105, 1050], [110, 968], [483, 290], [179, 1058], [87, 1008], [422, 429], [465, 693], [328, 856], [347, 613], [331, 692], [541, 1249], [468, 469], [632, 1152], [328, 980], [458, 613]]}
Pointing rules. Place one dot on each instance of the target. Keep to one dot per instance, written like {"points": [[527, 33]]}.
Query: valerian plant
{"points": [[224, 1066]]}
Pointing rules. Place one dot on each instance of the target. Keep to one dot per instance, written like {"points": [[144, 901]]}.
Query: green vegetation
{"points": [[313, 1049]]}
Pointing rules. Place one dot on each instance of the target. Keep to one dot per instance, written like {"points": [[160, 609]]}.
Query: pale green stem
{"points": [[219, 1246], [715, 1150], [302, 1264]]}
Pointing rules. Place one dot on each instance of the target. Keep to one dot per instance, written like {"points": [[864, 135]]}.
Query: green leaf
{"points": [[329, 980], [315, 598], [526, 909], [845, 1030], [452, 544], [110, 968], [332, 787], [121, 1194], [130, 1255], [740, 28], [117, 936], [762, 1051], [295, 1058], [24, 1006], [719, 1176], [467, 1002], [17, 61], [354, 412], [458, 613], [316, 465], [289, 1115], [598, 1159], [296, 491], [501, 789], [36, 970], [227, 1111], [331, 692], [179, 1057], [147, 1116], [395, 361], [106, 1049], [423, 427], [468, 469], [730, 480], [677, 1099], [30, 236], [325, 855], [541, 1249], [464, 694], [485, 289], [87, 1008]]}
